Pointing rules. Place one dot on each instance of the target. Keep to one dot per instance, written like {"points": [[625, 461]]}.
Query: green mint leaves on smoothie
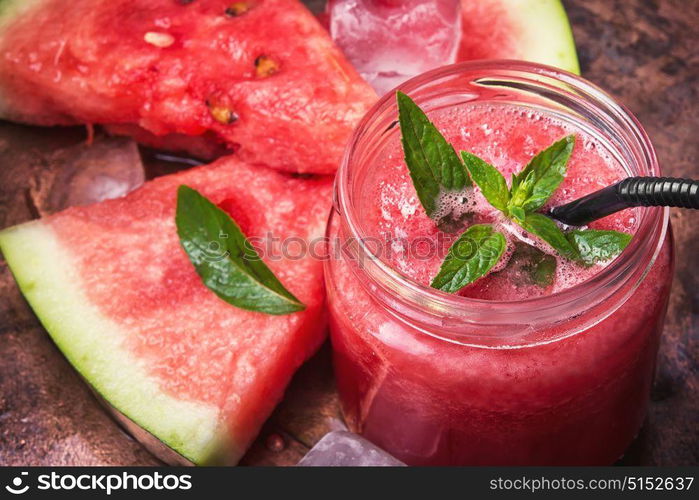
{"points": [[471, 256], [226, 260], [434, 168], [432, 162], [530, 190]]}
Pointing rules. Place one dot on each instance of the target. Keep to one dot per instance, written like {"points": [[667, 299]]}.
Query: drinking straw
{"points": [[630, 192]]}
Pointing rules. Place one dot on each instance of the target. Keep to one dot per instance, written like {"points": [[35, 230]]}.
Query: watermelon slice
{"points": [[261, 77], [531, 30], [119, 296], [390, 41]]}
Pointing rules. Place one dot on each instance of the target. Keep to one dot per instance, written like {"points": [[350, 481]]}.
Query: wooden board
{"points": [[643, 51]]}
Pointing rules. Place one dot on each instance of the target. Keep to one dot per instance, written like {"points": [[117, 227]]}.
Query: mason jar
{"points": [[441, 379]]}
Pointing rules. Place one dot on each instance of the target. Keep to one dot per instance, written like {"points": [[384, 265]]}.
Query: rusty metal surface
{"points": [[642, 51]]}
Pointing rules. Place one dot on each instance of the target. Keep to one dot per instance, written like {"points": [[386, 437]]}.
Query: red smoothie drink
{"points": [[543, 360]]}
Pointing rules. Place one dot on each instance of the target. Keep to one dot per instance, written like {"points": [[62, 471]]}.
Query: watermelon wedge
{"points": [[119, 296], [259, 77], [390, 41], [530, 30]]}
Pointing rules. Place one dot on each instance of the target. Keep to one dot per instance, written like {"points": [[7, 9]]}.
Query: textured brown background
{"points": [[643, 51]]}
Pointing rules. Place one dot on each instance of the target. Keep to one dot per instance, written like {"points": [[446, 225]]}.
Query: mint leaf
{"points": [[595, 245], [531, 266], [225, 260], [488, 179], [540, 267], [470, 257], [546, 229], [535, 184], [542, 272], [433, 164]]}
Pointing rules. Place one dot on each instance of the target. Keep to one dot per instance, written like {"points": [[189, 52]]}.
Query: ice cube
{"points": [[390, 41], [107, 168], [345, 449]]}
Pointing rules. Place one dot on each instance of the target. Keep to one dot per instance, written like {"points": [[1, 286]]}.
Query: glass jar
{"points": [[439, 379]]}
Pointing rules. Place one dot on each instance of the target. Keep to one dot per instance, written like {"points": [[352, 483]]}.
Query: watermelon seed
{"points": [[185, 2], [237, 9], [161, 40], [222, 114], [265, 66]]}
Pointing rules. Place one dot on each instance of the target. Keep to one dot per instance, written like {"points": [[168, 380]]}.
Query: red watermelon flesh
{"points": [[390, 41], [260, 77], [113, 287]]}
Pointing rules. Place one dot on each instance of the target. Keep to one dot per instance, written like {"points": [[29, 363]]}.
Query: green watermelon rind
{"points": [[541, 22], [11, 8], [92, 344]]}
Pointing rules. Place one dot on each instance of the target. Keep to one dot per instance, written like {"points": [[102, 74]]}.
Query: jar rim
{"points": [[644, 246]]}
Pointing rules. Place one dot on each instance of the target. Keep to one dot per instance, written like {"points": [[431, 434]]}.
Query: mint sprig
{"points": [[432, 162], [530, 190], [435, 167], [226, 260]]}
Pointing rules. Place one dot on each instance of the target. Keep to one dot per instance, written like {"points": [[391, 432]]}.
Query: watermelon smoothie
{"points": [[509, 370]]}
